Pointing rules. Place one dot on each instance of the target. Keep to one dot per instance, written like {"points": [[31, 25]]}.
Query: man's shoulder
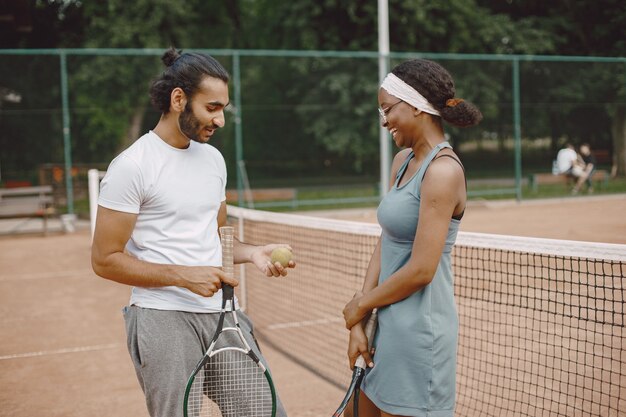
{"points": [[209, 151], [208, 148], [133, 155], [137, 147], [142, 142]]}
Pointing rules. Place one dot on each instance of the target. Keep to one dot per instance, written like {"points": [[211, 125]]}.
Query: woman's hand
{"points": [[261, 258], [352, 313], [358, 346]]}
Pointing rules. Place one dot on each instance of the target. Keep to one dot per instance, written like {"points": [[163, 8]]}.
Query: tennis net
{"points": [[541, 321]]}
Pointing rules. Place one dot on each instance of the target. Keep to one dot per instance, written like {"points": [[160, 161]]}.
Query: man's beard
{"points": [[189, 124]]}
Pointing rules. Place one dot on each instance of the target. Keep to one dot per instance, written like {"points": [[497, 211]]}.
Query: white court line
{"points": [[60, 351], [47, 275], [293, 324]]}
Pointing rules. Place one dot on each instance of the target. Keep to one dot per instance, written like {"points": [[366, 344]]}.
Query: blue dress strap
{"points": [[403, 167], [429, 158]]}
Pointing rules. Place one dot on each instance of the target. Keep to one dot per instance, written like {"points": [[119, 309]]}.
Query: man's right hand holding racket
{"points": [[204, 280]]}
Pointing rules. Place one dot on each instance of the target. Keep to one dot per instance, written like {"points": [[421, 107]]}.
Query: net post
{"points": [[517, 129], [67, 146], [383, 69]]}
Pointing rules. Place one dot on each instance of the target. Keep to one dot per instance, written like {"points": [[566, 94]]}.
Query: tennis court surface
{"points": [[542, 323]]}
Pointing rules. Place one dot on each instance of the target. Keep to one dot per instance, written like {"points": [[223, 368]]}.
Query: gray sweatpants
{"points": [[165, 347]]}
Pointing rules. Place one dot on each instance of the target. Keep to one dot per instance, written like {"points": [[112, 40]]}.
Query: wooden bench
{"points": [[603, 156], [263, 194], [27, 202], [543, 178]]}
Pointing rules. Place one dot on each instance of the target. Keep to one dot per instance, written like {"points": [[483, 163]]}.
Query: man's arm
{"points": [[260, 256], [108, 259]]}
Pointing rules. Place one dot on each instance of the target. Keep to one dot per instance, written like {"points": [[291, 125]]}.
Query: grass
{"points": [[614, 186], [329, 197]]}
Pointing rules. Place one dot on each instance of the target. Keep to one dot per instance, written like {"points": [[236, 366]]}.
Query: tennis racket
{"points": [[354, 389], [229, 381]]}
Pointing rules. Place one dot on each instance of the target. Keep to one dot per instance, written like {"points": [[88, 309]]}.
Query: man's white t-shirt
{"points": [[565, 159], [176, 194]]}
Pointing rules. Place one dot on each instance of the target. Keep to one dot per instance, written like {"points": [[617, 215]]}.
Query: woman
{"points": [[409, 278]]}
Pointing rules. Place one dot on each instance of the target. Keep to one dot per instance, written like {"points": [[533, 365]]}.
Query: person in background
{"points": [[589, 165], [569, 163]]}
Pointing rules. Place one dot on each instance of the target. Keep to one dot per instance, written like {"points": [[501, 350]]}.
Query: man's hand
{"points": [[204, 280], [261, 257]]}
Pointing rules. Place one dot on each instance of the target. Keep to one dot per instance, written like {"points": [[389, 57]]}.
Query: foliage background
{"points": [[313, 120]]}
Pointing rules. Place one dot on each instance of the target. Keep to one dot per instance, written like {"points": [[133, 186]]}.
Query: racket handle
{"points": [[370, 329], [360, 362], [226, 236], [227, 291]]}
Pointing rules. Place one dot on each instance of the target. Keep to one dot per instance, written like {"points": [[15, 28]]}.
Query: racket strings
{"points": [[231, 384]]}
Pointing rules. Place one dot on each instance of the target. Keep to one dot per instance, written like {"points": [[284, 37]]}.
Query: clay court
{"points": [[63, 352]]}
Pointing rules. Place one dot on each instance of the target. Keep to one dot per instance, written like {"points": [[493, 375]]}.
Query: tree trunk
{"points": [[555, 133], [134, 127], [619, 141]]}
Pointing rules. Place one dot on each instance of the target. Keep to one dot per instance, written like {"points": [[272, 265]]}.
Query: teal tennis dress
{"points": [[416, 340]]}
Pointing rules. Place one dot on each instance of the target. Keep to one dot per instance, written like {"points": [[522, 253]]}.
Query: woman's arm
{"points": [[439, 198], [358, 343]]}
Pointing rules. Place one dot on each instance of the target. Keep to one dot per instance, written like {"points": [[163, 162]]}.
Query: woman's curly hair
{"points": [[435, 83]]}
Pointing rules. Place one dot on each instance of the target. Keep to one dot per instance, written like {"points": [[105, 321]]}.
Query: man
{"points": [[589, 161], [160, 206], [569, 164]]}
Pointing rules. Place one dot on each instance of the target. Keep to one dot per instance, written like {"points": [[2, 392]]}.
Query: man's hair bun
{"points": [[170, 56]]}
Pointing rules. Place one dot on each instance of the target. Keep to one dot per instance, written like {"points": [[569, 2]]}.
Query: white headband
{"points": [[398, 88]]}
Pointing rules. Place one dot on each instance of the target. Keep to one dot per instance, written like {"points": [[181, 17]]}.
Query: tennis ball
{"points": [[282, 256]]}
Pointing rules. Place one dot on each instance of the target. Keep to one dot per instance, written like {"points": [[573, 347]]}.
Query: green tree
{"points": [[328, 105], [337, 95], [582, 28], [115, 88]]}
